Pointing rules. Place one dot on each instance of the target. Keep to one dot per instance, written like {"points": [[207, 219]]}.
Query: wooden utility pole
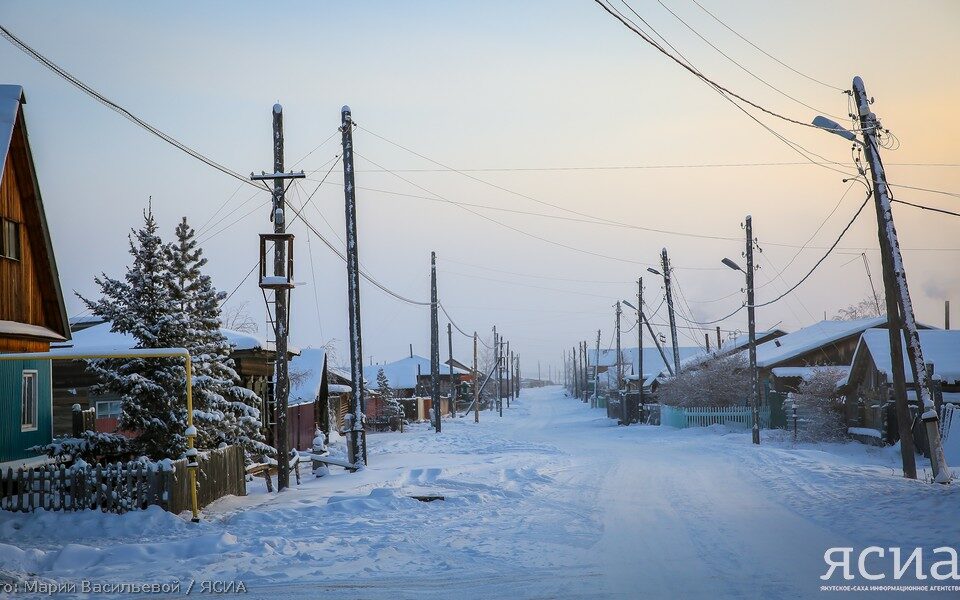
{"points": [[453, 390], [358, 441], [898, 293], [946, 315], [640, 377], [516, 373], [752, 330], [706, 341], [665, 263], [281, 284], [719, 339], [496, 364], [434, 345], [596, 374], [586, 373], [574, 370], [500, 375], [624, 412], [509, 358], [476, 382]]}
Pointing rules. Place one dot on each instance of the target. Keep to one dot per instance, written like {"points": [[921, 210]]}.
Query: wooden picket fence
{"points": [[704, 416], [122, 487], [117, 488]]}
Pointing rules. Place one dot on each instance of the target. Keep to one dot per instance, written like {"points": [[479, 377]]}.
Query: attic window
{"points": [[10, 239]]}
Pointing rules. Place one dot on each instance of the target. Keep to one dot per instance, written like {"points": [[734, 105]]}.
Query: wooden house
{"points": [[867, 390], [319, 397], [32, 312], [253, 359]]}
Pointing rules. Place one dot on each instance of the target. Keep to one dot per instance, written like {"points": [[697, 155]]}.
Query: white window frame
{"points": [[10, 246], [108, 402], [29, 407]]}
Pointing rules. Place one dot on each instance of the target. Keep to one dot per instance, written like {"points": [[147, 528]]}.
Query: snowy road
{"points": [[552, 501]]}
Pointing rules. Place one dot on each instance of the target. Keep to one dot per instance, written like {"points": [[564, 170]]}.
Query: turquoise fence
{"points": [[704, 416]]}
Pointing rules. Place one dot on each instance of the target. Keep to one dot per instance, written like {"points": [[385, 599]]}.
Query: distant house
{"points": [[319, 397], [868, 388], [254, 359], [32, 313], [410, 376], [785, 361]]}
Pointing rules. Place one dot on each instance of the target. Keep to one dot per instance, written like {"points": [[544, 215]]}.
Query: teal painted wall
{"points": [[13, 442]]}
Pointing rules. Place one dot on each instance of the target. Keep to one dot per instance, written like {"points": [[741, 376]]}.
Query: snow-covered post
{"points": [[319, 450], [357, 440], [891, 246]]}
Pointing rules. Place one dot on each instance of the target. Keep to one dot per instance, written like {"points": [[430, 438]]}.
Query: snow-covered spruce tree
{"points": [[152, 393], [393, 407], [724, 381], [819, 407], [224, 412]]}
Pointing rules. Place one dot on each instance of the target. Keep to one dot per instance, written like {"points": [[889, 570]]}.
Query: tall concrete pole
{"points": [[895, 286]]}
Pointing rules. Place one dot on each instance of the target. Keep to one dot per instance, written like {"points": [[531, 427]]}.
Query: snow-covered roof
{"points": [[652, 361], [100, 338], [942, 348], [13, 328], [308, 368], [810, 338], [806, 373], [402, 374]]}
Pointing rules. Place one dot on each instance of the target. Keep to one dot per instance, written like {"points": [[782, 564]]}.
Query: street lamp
{"points": [[732, 265], [654, 271]]}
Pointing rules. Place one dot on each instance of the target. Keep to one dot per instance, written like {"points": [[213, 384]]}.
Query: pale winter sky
{"points": [[497, 85]]}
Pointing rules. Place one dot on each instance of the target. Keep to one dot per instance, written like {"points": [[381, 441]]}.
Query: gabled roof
{"points": [[652, 361], [802, 341], [942, 348], [99, 338], [402, 374], [12, 122], [305, 389]]}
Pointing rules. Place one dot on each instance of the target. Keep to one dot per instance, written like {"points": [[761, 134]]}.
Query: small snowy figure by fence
{"points": [[320, 451]]}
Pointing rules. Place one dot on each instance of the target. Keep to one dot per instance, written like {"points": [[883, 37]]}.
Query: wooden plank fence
{"points": [[122, 487], [704, 416]]}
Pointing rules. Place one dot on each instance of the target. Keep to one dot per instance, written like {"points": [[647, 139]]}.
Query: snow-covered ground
{"points": [[553, 500]]}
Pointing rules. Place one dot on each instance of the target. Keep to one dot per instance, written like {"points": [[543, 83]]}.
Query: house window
{"points": [[108, 409], [10, 239], [28, 401]]}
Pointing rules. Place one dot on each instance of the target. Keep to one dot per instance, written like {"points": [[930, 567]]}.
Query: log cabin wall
{"points": [[29, 293]]}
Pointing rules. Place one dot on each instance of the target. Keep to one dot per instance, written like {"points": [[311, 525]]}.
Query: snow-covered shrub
{"points": [[723, 381], [819, 407], [92, 447]]}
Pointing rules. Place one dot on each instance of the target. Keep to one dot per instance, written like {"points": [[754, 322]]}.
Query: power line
{"points": [[824, 257], [632, 27], [59, 71], [637, 167], [921, 206], [515, 229], [767, 54], [738, 64]]}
